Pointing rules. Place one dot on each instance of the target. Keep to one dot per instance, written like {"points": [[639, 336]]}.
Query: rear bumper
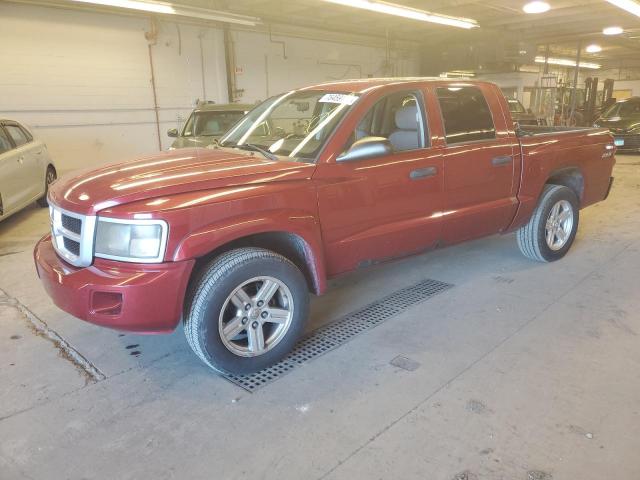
{"points": [[631, 143], [140, 298]]}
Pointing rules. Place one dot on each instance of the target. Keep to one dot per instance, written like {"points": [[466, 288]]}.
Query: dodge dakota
{"points": [[231, 240]]}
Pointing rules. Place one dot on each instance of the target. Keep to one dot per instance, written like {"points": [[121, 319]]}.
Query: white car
{"points": [[26, 169]]}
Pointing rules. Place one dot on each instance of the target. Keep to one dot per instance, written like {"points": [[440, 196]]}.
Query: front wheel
{"points": [[552, 227], [246, 311]]}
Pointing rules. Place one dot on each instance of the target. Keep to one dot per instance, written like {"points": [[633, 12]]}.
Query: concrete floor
{"points": [[527, 371]]}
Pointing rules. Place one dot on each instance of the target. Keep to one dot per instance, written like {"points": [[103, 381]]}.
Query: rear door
{"points": [[481, 158], [28, 152], [10, 170], [388, 206]]}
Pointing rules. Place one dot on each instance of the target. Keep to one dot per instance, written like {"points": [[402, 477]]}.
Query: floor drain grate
{"points": [[331, 336]]}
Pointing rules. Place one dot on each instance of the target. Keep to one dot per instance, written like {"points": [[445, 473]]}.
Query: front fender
{"points": [[218, 234]]}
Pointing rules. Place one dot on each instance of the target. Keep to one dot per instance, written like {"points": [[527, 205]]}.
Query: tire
{"points": [[49, 178], [222, 334], [533, 238]]}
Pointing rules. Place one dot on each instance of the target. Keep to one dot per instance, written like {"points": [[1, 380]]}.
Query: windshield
{"points": [[623, 109], [515, 106], [209, 124], [294, 125]]}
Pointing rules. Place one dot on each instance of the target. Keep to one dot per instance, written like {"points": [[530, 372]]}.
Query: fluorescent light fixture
{"points": [[628, 5], [593, 48], [612, 30], [406, 12], [536, 7], [565, 62], [133, 5], [457, 74], [174, 9]]}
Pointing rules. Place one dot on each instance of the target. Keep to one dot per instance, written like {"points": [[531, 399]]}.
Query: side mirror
{"points": [[172, 132], [367, 147]]}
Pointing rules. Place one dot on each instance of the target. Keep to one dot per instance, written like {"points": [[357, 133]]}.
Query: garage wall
{"points": [[270, 64], [82, 80]]}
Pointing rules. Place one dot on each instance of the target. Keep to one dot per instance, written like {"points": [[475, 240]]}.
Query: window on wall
{"points": [[397, 117], [466, 115]]}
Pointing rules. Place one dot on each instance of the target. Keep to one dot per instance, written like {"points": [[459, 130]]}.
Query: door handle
{"points": [[501, 160], [423, 172]]}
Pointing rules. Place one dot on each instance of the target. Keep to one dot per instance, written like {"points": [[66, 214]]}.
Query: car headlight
{"points": [[141, 241]]}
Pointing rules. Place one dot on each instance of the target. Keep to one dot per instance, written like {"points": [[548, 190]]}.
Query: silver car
{"points": [[26, 169]]}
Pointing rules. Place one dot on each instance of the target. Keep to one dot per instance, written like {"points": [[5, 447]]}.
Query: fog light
{"points": [[106, 303]]}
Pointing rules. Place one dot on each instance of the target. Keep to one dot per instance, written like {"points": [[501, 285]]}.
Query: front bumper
{"points": [[142, 298]]}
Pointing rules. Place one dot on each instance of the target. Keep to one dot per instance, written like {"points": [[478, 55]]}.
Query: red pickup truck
{"points": [[308, 185]]}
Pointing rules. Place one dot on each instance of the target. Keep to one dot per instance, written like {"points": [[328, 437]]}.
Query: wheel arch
{"points": [[290, 245], [570, 177]]}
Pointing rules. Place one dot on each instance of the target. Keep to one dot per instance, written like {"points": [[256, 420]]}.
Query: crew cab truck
{"points": [[310, 184]]}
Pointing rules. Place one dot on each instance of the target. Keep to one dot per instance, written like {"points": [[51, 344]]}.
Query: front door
{"points": [[386, 206]]}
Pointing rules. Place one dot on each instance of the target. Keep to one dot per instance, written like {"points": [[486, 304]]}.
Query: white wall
{"points": [[82, 80], [269, 67]]}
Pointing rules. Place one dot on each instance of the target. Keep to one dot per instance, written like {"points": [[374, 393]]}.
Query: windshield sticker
{"points": [[338, 98]]}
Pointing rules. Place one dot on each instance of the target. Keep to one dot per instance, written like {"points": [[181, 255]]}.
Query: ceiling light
{"points": [[133, 5], [612, 30], [173, 9], [628, 5], [536, 7], [406, 12], [565, 62], [593, 48]]}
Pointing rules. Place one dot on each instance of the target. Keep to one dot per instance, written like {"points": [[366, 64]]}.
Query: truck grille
{"points": [[72, 224], [72, 235]]}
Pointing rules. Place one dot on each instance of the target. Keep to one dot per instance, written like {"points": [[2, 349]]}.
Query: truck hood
{"points": [[169, 173]]}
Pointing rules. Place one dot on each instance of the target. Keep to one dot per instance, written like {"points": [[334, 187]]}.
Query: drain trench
{"points": [[331, 336], [39, 327]]}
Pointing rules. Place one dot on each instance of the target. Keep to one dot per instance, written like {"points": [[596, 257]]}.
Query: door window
{"points": [[397, 117], [466, 115], [5, 143], [18, 135]]}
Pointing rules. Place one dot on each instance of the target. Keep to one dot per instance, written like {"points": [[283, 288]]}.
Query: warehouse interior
{"points": [[468, 362]]}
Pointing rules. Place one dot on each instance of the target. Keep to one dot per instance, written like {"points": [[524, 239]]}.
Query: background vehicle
{"points": [[623, 121], [309, 185], [207, 123], [26, 169]]}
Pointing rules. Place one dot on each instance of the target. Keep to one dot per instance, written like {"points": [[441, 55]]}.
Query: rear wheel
{"points": [[246, 310], [552, 228], [49, 178]]}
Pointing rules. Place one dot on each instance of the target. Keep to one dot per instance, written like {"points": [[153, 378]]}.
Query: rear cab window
{"points": [[465, 114], [20, 137], [5, 143]]}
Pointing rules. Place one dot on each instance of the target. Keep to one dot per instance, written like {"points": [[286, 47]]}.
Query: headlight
{"points": [[131, 240]]}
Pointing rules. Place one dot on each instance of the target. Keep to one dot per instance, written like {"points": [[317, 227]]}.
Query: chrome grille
{"points": [[72, 235], [72, 224]]}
